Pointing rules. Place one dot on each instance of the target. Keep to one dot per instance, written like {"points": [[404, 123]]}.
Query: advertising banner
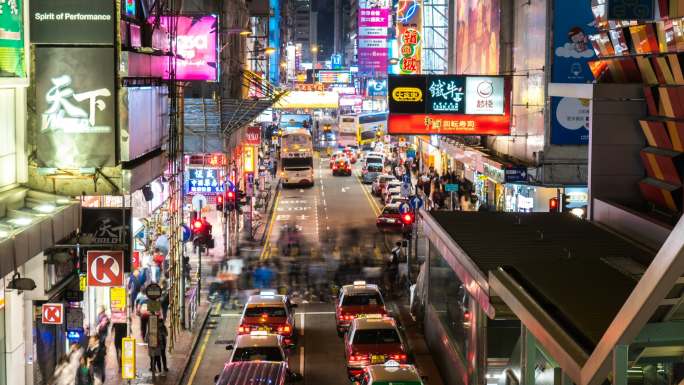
{"points": [[334, 76], [449, 105], [72, 21], [573, 23], [477, 37], [202, 180], [372, 40], [105, 268], [12, 58], [376, 87], [410, 35], [76, 107], [308, 99], [570, 119], [128, 371], [196, 43]]}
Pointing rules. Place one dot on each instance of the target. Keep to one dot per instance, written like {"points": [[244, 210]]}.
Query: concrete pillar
{"points": [[528, 359], [620, 364]]}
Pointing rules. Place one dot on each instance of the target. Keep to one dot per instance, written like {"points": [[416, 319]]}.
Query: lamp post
{"points": [[314, 51]]}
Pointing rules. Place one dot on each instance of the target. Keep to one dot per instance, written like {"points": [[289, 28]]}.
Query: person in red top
{"points": [[158, 258]]}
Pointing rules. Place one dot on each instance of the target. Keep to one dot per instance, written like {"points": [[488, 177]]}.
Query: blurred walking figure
{"points": [[84, 376], [96, 354]]}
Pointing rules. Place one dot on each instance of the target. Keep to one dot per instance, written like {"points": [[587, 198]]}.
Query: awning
{"points": [[32, 221], [236, 113]]}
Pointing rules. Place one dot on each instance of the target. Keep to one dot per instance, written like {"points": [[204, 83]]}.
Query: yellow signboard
{"points": [[117, 297], [82, 282], [249, 159], [128, 358]]}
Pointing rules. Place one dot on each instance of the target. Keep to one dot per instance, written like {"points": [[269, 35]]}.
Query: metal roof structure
{"points": [[581, 290]]}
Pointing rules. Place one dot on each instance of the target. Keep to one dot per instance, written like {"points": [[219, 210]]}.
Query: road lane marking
{"points": [[301, 360], [269, 229], [373, 204], [231, 315], [301, 328], [203, 348], [318, 312]]}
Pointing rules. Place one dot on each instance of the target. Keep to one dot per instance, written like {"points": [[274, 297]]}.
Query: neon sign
{"points": [[409, 27]]}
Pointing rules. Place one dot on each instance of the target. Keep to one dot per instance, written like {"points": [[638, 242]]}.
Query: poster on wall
{"points": [[570, 120], [477, 38], [573, 23], [410, 35], [196, 43], [72, 21], [12, 58], [75, 107]]}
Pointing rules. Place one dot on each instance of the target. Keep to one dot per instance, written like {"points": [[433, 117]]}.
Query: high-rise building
{"points": [[302, 27]]}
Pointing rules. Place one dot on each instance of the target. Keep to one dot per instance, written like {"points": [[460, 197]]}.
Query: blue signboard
{"points": [[416, 202], [515, 174], [446, 94], [274, 42], [573, 23], [336, 61], [376, 87], [570, 118], [204, 181], [451, 187], [631, 10]]}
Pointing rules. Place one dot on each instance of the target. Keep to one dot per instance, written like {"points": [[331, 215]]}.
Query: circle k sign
{"points": [[105, 268], [52, 313]]}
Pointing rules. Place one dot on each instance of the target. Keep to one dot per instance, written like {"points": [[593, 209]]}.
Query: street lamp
{"points": [[269, 50], [314, 51]]}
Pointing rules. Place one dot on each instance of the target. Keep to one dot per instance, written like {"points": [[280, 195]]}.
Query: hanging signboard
{"points": [[12, 54], [409, 34], [75, 106], [253, 135], [249, 159], [72, 22], [449, 105], [196, 44], [204, 180], [105, 268], [372, 38]]}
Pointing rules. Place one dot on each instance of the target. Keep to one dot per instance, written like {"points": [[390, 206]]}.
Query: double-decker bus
{"points": [[296, 157], [370, 127], [347, 127]]}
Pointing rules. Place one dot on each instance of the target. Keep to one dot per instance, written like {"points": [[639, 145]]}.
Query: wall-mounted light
{"points": [[23, 221], [45, 208]]}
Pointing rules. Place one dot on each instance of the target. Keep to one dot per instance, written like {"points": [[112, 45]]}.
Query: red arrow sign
{"points": [[105, 268], [52, 313]]}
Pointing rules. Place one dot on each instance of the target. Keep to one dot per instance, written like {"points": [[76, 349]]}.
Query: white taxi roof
{"points": [[266, 300], [360, 288], [373, 322], [260, 340]]}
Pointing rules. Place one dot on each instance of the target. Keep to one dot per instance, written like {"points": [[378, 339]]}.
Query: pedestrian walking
{"points": [[133, 286], [84, 376], [96, 354], [153, 339], [103, 322], [142, 312]]}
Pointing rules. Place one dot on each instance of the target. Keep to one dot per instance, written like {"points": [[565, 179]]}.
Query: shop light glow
{"points": [[63, 201], [23, 221], [45, 208], [3, 234]]}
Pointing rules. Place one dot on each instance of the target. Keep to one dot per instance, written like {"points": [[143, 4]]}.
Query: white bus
{"points": [[296, 158], [346, 127]]}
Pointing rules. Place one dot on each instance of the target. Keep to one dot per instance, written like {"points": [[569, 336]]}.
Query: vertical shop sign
{"points": [[373, 20], [117, 300], [12, 58], [410, 33], [249, 159], [128, 358], [76, 107], [570, 120], [573, 23]]}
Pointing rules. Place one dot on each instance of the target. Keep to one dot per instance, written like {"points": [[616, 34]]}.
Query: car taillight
{"points": [[358, 359], [285, 329], [243, 329], [398, 357]]}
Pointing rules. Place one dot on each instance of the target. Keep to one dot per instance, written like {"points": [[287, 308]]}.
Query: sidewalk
{"points": [[177, 360], [417, 346]]}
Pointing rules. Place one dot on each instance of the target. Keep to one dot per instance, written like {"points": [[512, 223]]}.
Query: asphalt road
{"points": [[334, 217]]}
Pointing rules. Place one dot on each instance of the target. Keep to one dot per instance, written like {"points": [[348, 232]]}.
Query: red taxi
{"points": [[341, 167], [373, 340], [380, 183], [269, 313], [335, 156], [390, 218], [356, 300]]}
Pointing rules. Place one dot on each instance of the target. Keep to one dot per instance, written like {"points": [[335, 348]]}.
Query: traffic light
{"points": [[230, 200], [566, 203], [219, 203], [197, 226], [407, 218], [553, 205]]}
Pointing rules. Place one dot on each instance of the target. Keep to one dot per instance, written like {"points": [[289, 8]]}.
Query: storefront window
{"points": [[449, 298]]}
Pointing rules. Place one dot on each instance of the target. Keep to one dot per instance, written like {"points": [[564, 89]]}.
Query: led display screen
{"points": [[196, 44]]}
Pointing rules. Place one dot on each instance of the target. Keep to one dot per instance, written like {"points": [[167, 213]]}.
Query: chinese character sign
{"points": [[409, 32], [446, 94], [203, 180], [76, 109], [372, 49]]}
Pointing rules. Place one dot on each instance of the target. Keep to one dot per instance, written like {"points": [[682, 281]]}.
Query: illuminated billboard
{"points": [[308, 99], [449, 105], [72, 21], [410, 35], [12, 59], [196, 44], [372, 37], [477, 38], [76, 107]]}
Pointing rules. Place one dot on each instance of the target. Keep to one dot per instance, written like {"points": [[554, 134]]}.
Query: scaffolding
{"points": [[435, 32]]}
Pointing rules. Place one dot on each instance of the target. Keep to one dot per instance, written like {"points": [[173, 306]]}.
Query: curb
{"points": [[271, 211], [193, 347]]}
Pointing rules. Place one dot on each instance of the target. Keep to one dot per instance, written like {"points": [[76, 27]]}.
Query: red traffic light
{"points": [[219, 199], [230, 195], [407, 218], [197, 225], [553, 205]]}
